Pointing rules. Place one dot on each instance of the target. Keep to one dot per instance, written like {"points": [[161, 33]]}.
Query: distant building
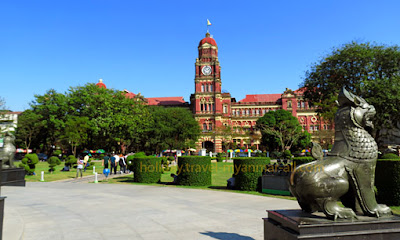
{"points": [[8, 121], [214, 109]]}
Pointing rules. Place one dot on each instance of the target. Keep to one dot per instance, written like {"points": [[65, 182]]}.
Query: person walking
{"points": [[79, 167], [113, 166], [105, 163], [122, 164], [85, 161], [116, 163]]}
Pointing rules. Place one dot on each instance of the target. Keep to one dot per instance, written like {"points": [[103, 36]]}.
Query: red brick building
{"points": [[214, 109]]}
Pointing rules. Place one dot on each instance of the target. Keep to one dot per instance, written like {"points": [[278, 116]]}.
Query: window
{"points": [[263, 112], [316, 128], [289, 104], [311, 128], [202, 88], [209, 107], [205, 126], [201, 107], [247, 112], [211, 88], [210, 127], [253, 112], [258, 111], [225, 109], [298, 104], [205, 107], [303, 105]]}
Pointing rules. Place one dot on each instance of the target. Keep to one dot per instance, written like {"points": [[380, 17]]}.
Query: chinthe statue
{"points": [[7, 153], [347, 174]]}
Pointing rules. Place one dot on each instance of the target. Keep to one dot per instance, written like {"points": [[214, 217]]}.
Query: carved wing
{"points": [[316, 151]]}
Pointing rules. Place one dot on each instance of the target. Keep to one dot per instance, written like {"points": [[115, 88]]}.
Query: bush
{"points": [[287, 154], [260, 154], [248, 172], [70, 161], [53, 161], [57, 152], [194, 171], [297, 161], [140, 154], [29, 162], [147, 169], [389, 156], [387, 181]]}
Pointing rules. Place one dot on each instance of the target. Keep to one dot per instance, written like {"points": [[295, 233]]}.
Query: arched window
{"points": [[210, 127], [211, 88], [201, 107], [202, 88], [225, 109], [205, 126]]}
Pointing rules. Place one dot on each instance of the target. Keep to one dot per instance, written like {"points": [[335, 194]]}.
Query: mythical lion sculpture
{"points": [[347, 174], [7, 153]]}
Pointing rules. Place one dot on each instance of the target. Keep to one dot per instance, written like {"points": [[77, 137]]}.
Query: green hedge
{"points": [[194, 171], [29, 163], [302, 160], [387, 181], [147, 169], [248, 172]]}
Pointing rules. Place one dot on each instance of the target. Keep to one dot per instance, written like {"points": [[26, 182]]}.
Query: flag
{"points": [[208, 23]]}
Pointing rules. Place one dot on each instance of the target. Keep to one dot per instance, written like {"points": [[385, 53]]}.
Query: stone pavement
{"points": [[63, 210]]}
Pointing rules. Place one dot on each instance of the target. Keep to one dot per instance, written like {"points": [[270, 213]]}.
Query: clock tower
{"points": [[210, 106]]}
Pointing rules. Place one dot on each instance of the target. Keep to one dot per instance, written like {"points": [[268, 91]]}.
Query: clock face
{"points": [[206, 70]]}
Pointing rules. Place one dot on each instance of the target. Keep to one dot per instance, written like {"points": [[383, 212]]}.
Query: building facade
{"points": [[216, 110]]}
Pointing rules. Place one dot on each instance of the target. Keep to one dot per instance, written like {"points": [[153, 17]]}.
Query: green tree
{"points": [[279, 130], [29, 125], [76, 131], [52, 107], [173, 128], [114, 119], [369, 70]]}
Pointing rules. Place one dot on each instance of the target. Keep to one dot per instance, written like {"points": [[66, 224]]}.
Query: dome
{"points": [[100, 84], [208, 40]]}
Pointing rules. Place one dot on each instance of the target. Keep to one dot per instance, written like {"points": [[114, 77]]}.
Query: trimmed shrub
{"points": [[57, 152], [387, 181], [53, 161], [70, 161], [287, 154], [248, 172], [29, 163], [297, 161], [194, 171], [147, 169], [140, 154]]}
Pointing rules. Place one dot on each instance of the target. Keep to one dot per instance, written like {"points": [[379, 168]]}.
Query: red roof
{"points": [[262, 98], [208, 39], [100, 84], [129, 94], [166, 101]]}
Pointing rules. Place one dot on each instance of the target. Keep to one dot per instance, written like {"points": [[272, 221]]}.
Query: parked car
{"points": [[42, 157]]}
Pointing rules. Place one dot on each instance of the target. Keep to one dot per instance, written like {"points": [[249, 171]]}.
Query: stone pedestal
{"points": [[13, 177], [275, 184], [296, 224]]}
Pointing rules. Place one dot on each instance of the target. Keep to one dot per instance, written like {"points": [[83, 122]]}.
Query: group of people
{"points": [[111, 163]]}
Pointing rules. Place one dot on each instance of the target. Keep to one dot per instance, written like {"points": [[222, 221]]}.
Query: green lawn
{"points": [[57, 174]]}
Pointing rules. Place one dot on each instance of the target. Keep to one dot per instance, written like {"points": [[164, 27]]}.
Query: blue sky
{"points": [[151, 46]]}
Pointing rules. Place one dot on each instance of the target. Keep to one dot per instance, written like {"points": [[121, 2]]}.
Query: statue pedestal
{"points": [[13, 177], [296, 224]]}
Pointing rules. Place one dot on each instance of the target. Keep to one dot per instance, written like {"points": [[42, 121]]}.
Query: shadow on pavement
{"points": [[226, 236]]}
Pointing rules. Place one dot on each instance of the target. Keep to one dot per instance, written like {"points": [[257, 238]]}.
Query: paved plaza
{"points": [[76, 211]]}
